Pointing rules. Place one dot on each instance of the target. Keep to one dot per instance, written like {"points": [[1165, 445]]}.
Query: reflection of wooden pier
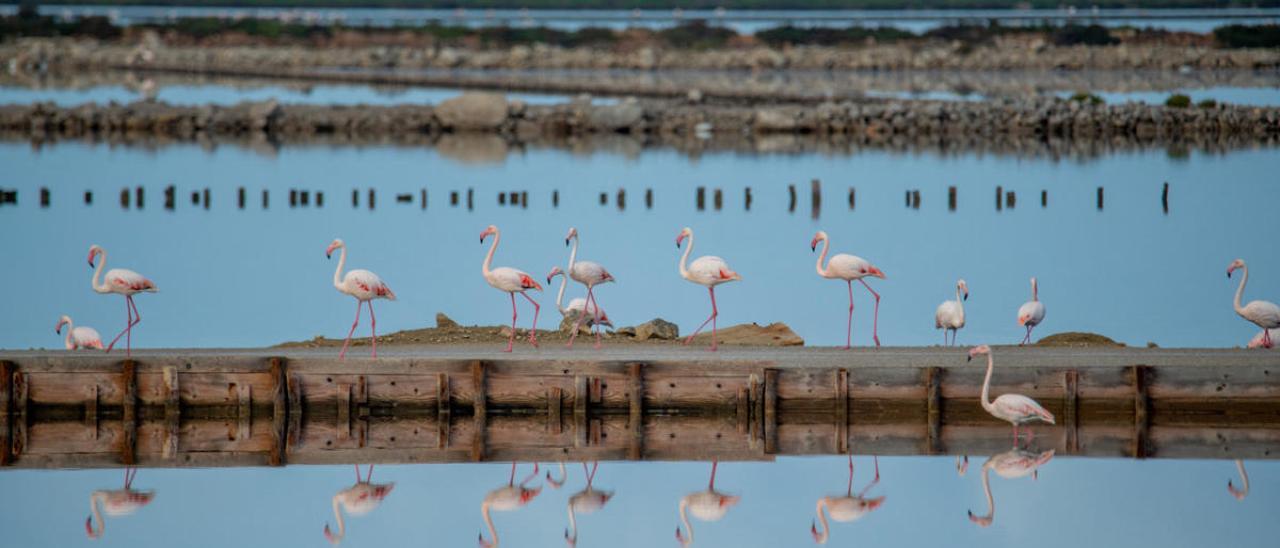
{"points": [[242, 409]]}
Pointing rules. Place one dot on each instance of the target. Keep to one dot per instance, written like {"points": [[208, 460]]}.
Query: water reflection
{"points": [[848, 507], [1015, 408], [510, 497], [1012, 464], [1243, 491], [587, 501], [357, 500], [115, 502], [709, 505]]}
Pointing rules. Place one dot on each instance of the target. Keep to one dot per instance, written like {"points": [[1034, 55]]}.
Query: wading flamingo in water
{"points": [[123, 282], [357, 500], [365, 286], [846, 508], [1264, 314], [513, 496], [511, 281], [78, 337], [709, 505], [1011, 464], [1015, 408], [1031, 313], [1266, 334], [1243, 490], [708, 271], [849, 268], [578, 305], [116, 502], [586, 501], [950, 314], [589, 274]]}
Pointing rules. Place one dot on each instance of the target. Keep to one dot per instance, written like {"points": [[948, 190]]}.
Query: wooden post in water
{"points": [[915, 199], [622, 199], [266, 198], [791, 192], [195, 197], [636, 418], [355, 197], [320, 198], [604, 198], [471, 198], [770, 411], [555, 398], [718, 199], [138, 195], [933, 395], [1164, 198], [1140, 377], [951, 198], [480, 414], [700, 198], [1010, 199], [453, 198], [422, 198], [88, 197], [999, 197], [169, 197], [444, 409], [580, 411], [279, 412], [19, 387], [1099, 198], [746, 199], [6, 395], [295, 434], [44, 197], [371, 199], [853, 198], [207, 200], [815, 198], [129, 416], [293, 197], [648, 198], [240, 197], [842, 411], [124, 198], [304, 197]]}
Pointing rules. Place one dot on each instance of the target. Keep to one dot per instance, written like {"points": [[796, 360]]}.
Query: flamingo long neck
{"points": [[684, 518], [488, 519], [488, 259], [337, 516], [337, 272], [822, 270], [822, 519], [1035, 291], [572, 535], [102, 287], [71, 345], [684, 259], [1244, 278], [986, 385], [1244, 479], [97, 515], [959, 301], [564, 281], [573, 254], [986, 488]]}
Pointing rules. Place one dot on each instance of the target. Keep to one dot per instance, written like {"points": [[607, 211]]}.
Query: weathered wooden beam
{"points": [[580, 411], [279, 411], [295, 435], [933, 399], [344, 410], [636, 419], [480, 413], [129, 416], [6, 395], [244, 411], [444, 407], [1070, 408], [842, 411], [554, 425], [360, 410], [1140, 378], [18, 415], [172, 412], [91, 411], [756, 405], [743, 412], [770, 411]]}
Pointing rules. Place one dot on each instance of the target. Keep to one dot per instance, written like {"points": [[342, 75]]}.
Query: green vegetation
{"points": [[1248, 36], [1083, 97], [821, 36], [27, 23], [1207, 103], [1177, 101]]}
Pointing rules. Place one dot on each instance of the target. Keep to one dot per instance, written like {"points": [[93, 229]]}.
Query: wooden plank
{"points": [[1070, 416], [444, 406], [295, 414], [580, 411], [1140, 379], [554, 425], [172, 412], [743, 412], [279, 412], [6, 395], [129, 418], [842, 411], [756, 405], [244, 411], [344, 410], [18, 414], [480, 412], [91, 411], [770, 411], [933, 391], [636, 418]]}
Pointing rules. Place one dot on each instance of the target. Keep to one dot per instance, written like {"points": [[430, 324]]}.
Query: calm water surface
{"points": [[228, 94]]}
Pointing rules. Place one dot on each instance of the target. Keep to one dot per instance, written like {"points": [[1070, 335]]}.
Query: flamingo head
{"points": [[89, 530], [962, 466], [381, 491], [573, 233], [1236, 264], [94, 250], [684, 233], [820, 236], [873, 271], [335, 244], [1239, 494], [982, 521], [680, 538], [979, 350], [873, 504], [604, 319], [61, 322], [964, 288], [487, 231], [555, 271], [329, 536], [482, 542]]}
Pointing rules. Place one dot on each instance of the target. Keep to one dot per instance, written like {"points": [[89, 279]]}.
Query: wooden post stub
{"points": [[294, 437], [554, 425], [279, 411], [129, 405], [344, 410], [6, 374], [244, 411], [636, 418], [91, 411], [1070, 411], [933, 382], [744, 410], [1140, 376], [842, 411], [18, 416], [579, 411], [480, 414], [444, 409], [172, 412], [756, 407], [361, 411], [770, 411]]}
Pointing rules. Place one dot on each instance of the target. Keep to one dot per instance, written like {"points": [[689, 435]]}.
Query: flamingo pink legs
{"points": [[712, 319], [533, 332], [875, 321], [134, 318], [343, 355], [1027, 338], [595, 325]]}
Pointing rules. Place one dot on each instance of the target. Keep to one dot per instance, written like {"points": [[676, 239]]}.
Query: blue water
{"points": [[223, 94], [230, 277]]}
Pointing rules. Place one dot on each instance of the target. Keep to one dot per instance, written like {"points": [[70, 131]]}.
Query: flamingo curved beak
{"points": [[813, 245], [813, 530], [966, 295], [679, 239]]}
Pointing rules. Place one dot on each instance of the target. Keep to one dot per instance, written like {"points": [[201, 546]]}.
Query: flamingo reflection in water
{"points": [[847, 508], [587, 501], [512, 496], [709, 505], [357, 500], [1243, 491], [115, 502], [1012, 464]]}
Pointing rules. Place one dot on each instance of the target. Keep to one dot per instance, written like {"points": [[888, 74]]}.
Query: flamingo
{"points": [[511, 497], [847, 508], [708, 271], [578, 305], [124, 282], [586, 501], [116, 502], [849, 268], [365, 286], [589, 274], [1031, 313], [1011, 464], [512, 281], [78, 337], [709, 505], [1243, 490], [1015, 408], [950, 314], [1258, 340], [557, 484], [357, 500], [1262, 313]]}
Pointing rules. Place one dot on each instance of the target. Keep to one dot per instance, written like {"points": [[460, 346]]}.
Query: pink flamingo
{"points": [[950, 314], [708, 271], [709, 505], [578, 305], [1015, 408], [1243, 491], [589, 274], [123, 282], [1011, 464], [1031, 313], [849, 268], [117, 502], [357, 500], [1264, 314], [513, 496], [586, 501], [78, 337], [512, 281], [847, 508], [365, 286], [1261, 338]]}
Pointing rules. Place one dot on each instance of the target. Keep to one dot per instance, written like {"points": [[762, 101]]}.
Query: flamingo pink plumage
{"points": [[78, 336], [849, 268], [1012, 464], [122, 282], [1031, 313], [578, 305], [1015, 408], [589, 274], [846, 508], [511, 281], [1264, 314], [365, 286], [358, 500], [511, 496], [116, 502], [708, 271]]}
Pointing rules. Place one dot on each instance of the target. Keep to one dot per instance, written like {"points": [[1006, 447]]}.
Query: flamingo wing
{"points": [[711, 270], [1265, 314], [86, 337], [366, 285], [590, 273], [511, 280], [1019, 408], [947, 316], [849, 267], [1031, 313], [128, 281]]}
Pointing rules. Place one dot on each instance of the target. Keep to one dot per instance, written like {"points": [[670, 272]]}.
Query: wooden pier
{"points": [[259, 408]]}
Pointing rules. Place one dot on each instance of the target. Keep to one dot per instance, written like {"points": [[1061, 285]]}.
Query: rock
{"points": [[774, 334], [774, 119], [445, 322], [626, 332], [614, 117], [694, 96], [657, 328], [566, 324], [263, 115], [473, 111]]}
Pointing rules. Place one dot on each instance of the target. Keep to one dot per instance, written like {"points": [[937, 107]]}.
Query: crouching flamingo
{"points": [[708, 271], [122, 282], [589, 274], [78, 337], [578, 305], [365, 286], [1015, 408], [1264, 314]]}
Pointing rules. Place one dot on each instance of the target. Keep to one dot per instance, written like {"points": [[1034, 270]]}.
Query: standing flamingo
{"points": [[78, 337], [847, 508], [365, 286], [357, 500], [1243, 491], [586, 501], [578, 305], [1011, 464], [1261, 338], [124, 282], [708, 271], [849, 268], [709, 505], [1031, 313], [1015, 408], [513, 496], [116, 502], [589, 274], [1262, 313], [512, 281], [950, 314]]}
